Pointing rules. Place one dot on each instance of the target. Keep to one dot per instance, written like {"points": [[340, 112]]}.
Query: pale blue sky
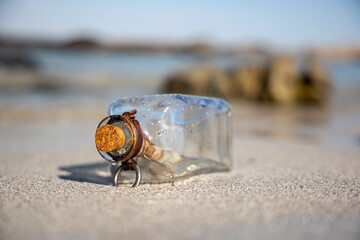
{"points": [[273, 22]]}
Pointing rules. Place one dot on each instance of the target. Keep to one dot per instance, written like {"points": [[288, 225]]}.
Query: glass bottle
{"points": [[169, 136]]}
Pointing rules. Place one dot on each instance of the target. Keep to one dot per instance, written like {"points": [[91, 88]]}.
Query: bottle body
{"points": [[183, 135]]}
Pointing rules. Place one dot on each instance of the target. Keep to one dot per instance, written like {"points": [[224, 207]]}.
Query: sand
{"points": [[294, 177]]}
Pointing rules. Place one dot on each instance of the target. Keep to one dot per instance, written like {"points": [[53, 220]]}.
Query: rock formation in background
{"points": [[284, 80], [249, 82], [207, 80], [316, 84], [280, 82]]}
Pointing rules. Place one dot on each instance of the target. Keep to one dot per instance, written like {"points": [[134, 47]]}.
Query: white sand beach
{"points": [[296, 175]]}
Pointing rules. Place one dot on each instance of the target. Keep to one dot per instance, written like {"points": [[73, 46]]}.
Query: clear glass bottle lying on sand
{"points": [[169, 136]]}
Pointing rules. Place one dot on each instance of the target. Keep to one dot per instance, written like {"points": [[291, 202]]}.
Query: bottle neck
{"points": [[120, 137]]}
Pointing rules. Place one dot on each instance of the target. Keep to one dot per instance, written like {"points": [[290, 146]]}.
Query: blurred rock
{"points": [[84, 43], [249, 82], [280, 82], [206, 81], [284, 80], [315, 85], [12, 60]]}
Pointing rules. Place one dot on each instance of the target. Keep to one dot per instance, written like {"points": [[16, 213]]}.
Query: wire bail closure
{"points": [[126, 166], [119, 139]]}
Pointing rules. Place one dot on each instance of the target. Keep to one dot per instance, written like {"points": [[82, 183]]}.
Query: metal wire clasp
{"points": [[120, 139], [126, 166]]}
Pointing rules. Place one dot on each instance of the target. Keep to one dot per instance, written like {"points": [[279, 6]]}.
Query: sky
{"points": [[290, 23]]}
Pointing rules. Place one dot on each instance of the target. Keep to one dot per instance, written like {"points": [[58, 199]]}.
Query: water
{"points": [[344, 73], [118, 74], [82, 63]]}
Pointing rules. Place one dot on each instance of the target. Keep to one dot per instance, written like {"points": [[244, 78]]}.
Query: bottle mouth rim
{"points": [[136, 138]]}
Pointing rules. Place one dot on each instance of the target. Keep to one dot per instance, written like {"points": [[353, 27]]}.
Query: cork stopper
{"points": [[109, 138]]}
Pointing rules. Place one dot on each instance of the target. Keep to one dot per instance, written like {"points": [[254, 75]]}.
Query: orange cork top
{"points": [[109, 138]]}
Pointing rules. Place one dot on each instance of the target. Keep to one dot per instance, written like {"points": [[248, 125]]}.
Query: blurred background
{"points": [[290, 69]]}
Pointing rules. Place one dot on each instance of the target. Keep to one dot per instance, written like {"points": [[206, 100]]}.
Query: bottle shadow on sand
{"points": [[97, 173]]}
